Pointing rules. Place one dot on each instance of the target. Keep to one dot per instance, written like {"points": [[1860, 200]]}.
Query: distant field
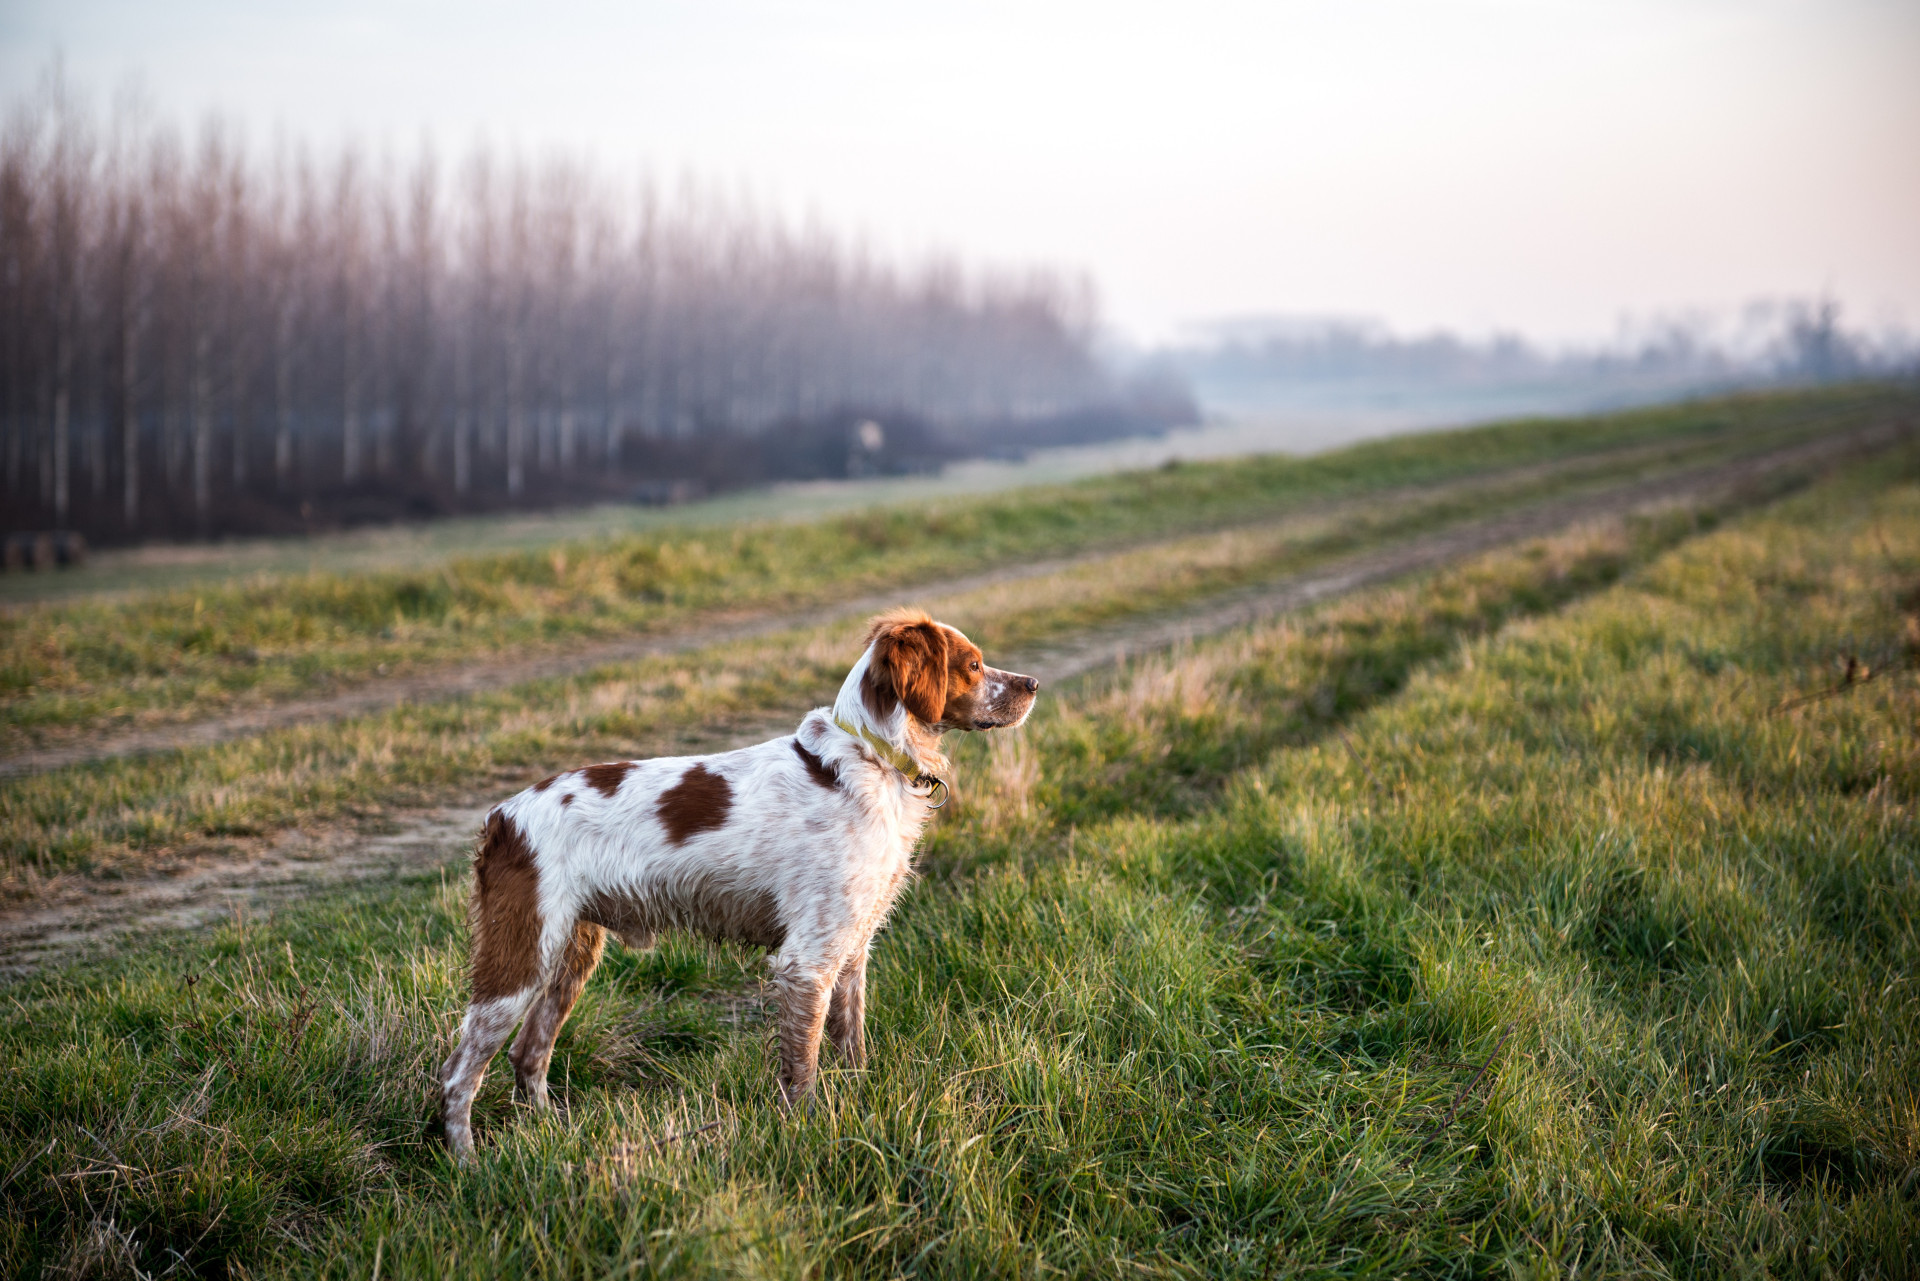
{"points": [[429, 544], [73, 668], [1554, 914]]}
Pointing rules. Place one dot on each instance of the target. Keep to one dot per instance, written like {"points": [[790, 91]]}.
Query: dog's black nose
{"points": [[1029, 684]]}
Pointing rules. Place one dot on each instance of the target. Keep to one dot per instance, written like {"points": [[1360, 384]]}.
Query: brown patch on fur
{"points": [[819, 771], [965, 665], [978, 696], [964, 675], [546, 782], [505, 917], [877, 693], [582, 954], [605, 779], [699, 802], [706, 909], [567, 798], [909, 665]]}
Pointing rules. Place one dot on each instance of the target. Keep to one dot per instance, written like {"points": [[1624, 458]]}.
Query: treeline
{"points": [[1257, 363], [203, 339]]}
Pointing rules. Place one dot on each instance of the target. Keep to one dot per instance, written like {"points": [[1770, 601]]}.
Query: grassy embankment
{"points": [[127, 813], [71, 669], [1507, 919]]}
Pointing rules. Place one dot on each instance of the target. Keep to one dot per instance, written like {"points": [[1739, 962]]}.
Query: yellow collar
{"points": [[900, 760]]}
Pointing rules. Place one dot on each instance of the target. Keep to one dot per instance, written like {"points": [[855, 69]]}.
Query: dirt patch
{"points": [[76, 915]]}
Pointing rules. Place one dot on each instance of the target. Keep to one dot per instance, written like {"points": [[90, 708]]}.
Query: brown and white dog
{"points": [[800, 844]]}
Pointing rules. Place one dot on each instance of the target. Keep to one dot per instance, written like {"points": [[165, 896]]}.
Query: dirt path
{"points": [[465, 679], [1100, 646], [74, 915], [474, 676]]}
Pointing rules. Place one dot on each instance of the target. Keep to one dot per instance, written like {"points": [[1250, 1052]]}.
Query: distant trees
{"points": [[1263, 365], [198, 339]]}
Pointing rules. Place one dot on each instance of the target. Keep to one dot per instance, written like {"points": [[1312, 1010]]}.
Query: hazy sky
{"points": [[1545, 165]]}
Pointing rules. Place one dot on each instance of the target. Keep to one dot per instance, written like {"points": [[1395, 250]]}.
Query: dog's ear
{"points": [[910, 663]]}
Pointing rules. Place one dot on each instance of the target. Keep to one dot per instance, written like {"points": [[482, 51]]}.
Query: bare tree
{"points": [[512, 329], [70, 182], [349, 230]]}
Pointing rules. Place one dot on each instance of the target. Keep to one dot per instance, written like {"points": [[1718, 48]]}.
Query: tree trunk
{"points": [[129, 421], [97, 460], [616, 421], [202, 402], [350, 417], [239, 398], [463, 407], [61, 456], [516, 423], [462, 449], [283, 401], [62, 427]]}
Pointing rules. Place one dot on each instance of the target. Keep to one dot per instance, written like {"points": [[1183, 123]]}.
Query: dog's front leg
{"points": [[805, 988], [846, 1019]]}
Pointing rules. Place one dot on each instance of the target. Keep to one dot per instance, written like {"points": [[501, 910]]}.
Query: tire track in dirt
{"points": [[75, 915], [1101, 646], [463, 679]]}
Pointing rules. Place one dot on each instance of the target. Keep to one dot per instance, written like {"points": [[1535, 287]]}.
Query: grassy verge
{"points": [[1439, 933], [73, 668]]}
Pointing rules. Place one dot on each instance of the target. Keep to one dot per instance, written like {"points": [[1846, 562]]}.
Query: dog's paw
{"points": [[795, 1102]]}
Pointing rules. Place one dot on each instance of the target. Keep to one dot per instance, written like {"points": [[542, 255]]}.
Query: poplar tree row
{"points": [[195, 331]]}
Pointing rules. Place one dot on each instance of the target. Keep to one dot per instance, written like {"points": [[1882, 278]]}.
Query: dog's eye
{"points": [[974, 666]]}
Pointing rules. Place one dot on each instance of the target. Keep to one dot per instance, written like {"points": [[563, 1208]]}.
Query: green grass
{"points": [[1500, 923], [69, 669]]}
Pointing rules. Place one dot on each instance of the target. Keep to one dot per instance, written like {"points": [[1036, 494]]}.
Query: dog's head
{"points": [[939, 677]]}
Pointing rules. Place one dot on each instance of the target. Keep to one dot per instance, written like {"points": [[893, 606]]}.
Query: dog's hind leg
{"points": [[533, 1048], [513, 955], [482, 1033], [847, 1014]]}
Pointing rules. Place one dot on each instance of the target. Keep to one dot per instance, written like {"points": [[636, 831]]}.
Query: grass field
{"points": [[117, 815], [121, 815], [1550, 915], [70, 669]]}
